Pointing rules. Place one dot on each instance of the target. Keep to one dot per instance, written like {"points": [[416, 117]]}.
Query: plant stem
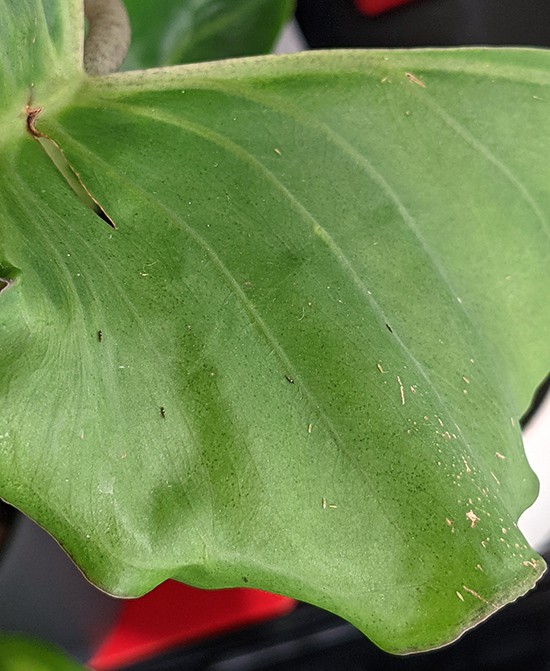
{"points": [[108, 36]]}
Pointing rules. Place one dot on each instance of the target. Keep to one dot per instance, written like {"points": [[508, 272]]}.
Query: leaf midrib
{"points": [[332, 62]]}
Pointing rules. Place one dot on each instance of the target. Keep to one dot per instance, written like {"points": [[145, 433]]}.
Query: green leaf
{"points": [[188, 31], [298, 362], [40, 51], [18, 653]]}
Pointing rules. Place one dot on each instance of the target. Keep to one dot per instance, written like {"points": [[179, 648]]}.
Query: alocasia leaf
{"points": [[299, 360], [187, 31]]}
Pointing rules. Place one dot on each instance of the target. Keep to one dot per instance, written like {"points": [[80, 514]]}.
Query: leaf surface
{"points": [[40, 51], [188, 31], [298, 362]]}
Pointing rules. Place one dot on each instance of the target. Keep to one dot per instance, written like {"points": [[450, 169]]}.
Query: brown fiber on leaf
{"points": [[58, 158]]}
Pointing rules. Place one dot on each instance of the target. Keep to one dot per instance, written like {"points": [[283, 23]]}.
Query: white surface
{"points": [[535, 522], [291, 40]]}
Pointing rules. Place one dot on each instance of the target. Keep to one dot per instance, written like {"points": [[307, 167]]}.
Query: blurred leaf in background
{"points": [[27, 654], [188, 31]]}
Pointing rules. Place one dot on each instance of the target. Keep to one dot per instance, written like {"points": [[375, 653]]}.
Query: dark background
{"points": [[336, 23]]}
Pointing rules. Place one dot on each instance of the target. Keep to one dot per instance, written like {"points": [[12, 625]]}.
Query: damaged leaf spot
{"points": [[415, 80], [472, 517], [58, 158], [476, 595], [401, 390]]}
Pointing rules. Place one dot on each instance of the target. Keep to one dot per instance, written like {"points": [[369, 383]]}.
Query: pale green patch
{"points": [[187, 31]]}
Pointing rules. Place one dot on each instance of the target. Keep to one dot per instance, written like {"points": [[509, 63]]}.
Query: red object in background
{"points": [[175, 614], [376, 7]]}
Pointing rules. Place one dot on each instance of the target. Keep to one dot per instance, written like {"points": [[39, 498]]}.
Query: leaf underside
{"points": [[299, 360]]}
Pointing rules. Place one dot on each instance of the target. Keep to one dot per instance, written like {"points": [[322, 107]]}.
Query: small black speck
{"points": [[162, 412], [245, 579], [289, 379], [389, 328], [100, 336]]}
